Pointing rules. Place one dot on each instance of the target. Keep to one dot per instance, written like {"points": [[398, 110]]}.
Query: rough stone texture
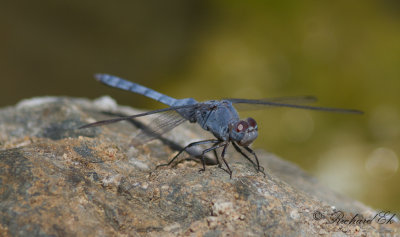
{"points": [[56, 180]]}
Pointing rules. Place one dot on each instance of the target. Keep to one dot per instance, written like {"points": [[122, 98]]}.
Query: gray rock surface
{"points": [[57, 180]]}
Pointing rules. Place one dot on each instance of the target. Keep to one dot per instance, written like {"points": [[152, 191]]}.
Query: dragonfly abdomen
{"points": [[120, 83]]}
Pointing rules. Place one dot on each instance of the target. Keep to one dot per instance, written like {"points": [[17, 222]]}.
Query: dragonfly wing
{"points": [[166, 121], [289, 105], [287, 100], [109, 121], [162, 123]]}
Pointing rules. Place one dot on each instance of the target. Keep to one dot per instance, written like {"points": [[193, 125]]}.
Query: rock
{"points": [[57, 180]]}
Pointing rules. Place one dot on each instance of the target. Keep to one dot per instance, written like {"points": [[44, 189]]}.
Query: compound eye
{"points": [[252, 122], [242, 126]]}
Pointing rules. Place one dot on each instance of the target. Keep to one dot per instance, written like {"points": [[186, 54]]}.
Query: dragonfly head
{"points": [[244, 132]]}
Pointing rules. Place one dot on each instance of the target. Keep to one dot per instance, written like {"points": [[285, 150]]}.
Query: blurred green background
{"points": [[347, 53]]}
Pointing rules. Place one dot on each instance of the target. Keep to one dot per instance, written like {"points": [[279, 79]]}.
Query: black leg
{"points": [[257, 165], [226, 163], [237, 148], [190, 145], [218, 162], [255, 156], [216, 157], [219, 144]]}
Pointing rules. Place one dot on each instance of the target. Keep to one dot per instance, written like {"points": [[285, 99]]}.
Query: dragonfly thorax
{"points": [[244, 132]]}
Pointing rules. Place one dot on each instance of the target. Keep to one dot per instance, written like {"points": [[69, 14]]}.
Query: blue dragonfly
{"points": [[216, 116]]}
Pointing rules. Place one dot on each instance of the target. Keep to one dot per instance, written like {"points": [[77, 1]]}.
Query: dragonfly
{"points": [[218, 117]]}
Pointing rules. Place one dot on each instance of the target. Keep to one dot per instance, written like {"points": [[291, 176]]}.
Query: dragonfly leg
{"points": [[218, 145], [229, 171], [188, 146], [255, 156], [216, 157], [259, 168], [237, 148]]}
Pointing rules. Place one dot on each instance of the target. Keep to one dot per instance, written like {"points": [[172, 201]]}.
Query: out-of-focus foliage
{"points": [[347, 53]]}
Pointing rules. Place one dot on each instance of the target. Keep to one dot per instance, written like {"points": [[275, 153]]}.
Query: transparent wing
{"points": [[297, 106], [307, 99], [164, 120], [162, 123], [108, 121]]}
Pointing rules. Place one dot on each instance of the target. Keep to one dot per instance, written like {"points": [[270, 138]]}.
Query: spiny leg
{"points": [[218, 162], [216, 157], [237, 148], [219, 144], [255, 156], [190, 145], [223, 158]]}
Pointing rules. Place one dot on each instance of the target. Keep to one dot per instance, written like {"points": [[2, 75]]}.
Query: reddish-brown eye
{"points": [[242, 126], [252, 122]]}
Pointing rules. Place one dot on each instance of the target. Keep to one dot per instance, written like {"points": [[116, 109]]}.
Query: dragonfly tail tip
{"points": [[98, 76]]}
